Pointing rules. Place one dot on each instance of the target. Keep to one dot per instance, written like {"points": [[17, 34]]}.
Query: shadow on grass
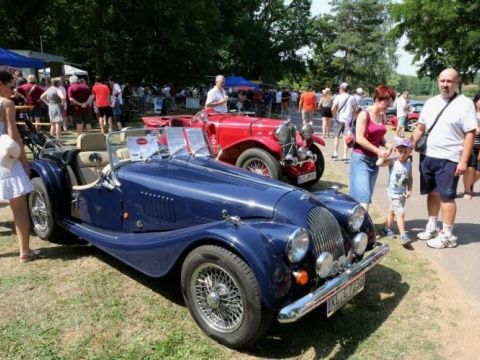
{"points": [[167, 286], [8, 225], [326, 184], [339, 336]]}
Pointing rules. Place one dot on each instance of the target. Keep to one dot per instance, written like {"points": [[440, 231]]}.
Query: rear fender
{"points": [[55, 183]]}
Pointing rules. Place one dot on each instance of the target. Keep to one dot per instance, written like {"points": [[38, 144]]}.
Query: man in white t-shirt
{"points": [[343, 110], [402, 113], [449, 147], [217, 97]]}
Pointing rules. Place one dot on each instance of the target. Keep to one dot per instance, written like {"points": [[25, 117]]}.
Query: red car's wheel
{"points": [[259, 162], [411, 124]]}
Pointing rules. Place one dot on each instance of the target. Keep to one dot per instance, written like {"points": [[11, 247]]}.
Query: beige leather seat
{"points": [[92, 157]]}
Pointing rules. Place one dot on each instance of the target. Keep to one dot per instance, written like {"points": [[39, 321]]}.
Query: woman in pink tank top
{"points": [[370, 145]]}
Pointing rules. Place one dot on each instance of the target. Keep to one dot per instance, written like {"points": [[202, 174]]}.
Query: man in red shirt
{"points": [[101, 92], [307, 105], [31, 92], [79, 95]]}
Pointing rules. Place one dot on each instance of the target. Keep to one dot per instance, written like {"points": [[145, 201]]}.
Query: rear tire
{"points": [[42, 215]]}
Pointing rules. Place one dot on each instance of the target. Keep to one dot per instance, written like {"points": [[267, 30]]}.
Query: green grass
{"points": [[79, 303]]}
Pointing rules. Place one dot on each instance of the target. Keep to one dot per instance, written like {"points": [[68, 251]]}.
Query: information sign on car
{"points": [[342, 297]]}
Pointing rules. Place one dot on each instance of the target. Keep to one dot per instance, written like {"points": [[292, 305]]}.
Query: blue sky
{"points": [[404, 59]]}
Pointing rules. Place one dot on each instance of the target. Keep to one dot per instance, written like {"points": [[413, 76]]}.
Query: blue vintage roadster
{"points": [[249, 248]]}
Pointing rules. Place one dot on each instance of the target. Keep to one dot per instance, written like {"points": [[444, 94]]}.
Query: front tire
{"points": [[259, 162], [42, 216], [224, 297]]}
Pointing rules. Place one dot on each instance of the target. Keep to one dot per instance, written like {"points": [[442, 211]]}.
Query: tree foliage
{"points": [[355, 45], [441, 34], [164, 40]]}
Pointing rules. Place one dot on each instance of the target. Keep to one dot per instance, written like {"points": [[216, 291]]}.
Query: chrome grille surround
{"points": [[290, 147], [325, 232]]}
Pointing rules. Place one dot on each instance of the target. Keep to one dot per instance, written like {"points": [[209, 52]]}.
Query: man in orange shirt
{"points": [[101, 92], [307, 105]]}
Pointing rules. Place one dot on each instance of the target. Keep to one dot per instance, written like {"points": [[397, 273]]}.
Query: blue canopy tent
{"points": [[240, 82], [9, 58]]}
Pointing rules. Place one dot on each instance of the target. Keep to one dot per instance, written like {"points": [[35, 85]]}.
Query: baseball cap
{"points": [[403, 142], [359, 91], [343, 85], [9, 151]]}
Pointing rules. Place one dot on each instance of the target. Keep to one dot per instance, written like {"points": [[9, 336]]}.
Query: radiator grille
{"points": [[325, 232]]}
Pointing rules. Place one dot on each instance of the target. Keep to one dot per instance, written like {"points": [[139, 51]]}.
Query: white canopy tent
{"points": [[68, 70]]}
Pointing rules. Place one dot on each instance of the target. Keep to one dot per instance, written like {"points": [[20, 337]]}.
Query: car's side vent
{"points": [[159, 206], [325, 232]]}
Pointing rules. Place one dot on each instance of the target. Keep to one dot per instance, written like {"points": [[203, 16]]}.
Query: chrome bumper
{"points": [[304, 305]]}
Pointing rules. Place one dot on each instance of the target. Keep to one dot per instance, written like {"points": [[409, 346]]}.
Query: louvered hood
{"points": [[174, 194]]}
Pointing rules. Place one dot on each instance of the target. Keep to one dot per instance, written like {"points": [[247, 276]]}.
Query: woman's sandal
{"points": [[30, 256]]}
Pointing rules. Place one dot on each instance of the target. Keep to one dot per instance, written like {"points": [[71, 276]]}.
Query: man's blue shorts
{"points": [[438, 175]]}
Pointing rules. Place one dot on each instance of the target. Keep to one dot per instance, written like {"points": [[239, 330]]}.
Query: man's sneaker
{"points": [[427, 234], [405, 239], [389, 233], [443, 241]]}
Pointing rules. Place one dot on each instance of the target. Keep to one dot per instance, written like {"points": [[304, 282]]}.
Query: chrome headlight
{"points": [[307, 131], [297, 245], [360, 242], [355, 220], [324, 264], [283, 134]]}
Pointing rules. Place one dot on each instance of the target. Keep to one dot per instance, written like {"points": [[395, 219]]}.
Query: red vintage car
{"points": [[270, 147], [412, 119]]}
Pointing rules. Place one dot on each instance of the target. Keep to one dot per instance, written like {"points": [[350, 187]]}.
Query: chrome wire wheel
{"points": [[258, 167], [217, 298], [38, 210]]}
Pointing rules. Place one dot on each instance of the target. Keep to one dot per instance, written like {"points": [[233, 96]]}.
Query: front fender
{"points": [[318, 139], [250, 142], [259, 251]]}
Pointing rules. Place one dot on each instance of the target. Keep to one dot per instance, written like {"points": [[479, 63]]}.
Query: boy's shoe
{"points": [[389, 233], [443, 241], [428, 233], [405, 239]]}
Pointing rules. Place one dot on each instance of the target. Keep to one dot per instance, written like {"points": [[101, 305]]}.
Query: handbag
{"points": [[421, 144], [350, 137]]}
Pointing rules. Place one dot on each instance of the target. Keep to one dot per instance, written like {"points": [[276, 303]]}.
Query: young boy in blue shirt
{"points": [[399, 187]]}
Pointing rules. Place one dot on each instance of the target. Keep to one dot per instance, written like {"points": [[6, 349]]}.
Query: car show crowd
{"points": [[451, 151]]}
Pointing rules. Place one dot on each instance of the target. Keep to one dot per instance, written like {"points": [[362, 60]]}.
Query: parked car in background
{"points": [[249, 249], [365, 102], [269, 147], [412, 117]]}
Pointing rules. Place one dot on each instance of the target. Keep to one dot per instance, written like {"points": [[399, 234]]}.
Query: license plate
{"points": [[342, 297], [306, 177]]}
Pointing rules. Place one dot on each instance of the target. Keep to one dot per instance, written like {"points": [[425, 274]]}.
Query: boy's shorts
{"points": [[397, 203]]}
